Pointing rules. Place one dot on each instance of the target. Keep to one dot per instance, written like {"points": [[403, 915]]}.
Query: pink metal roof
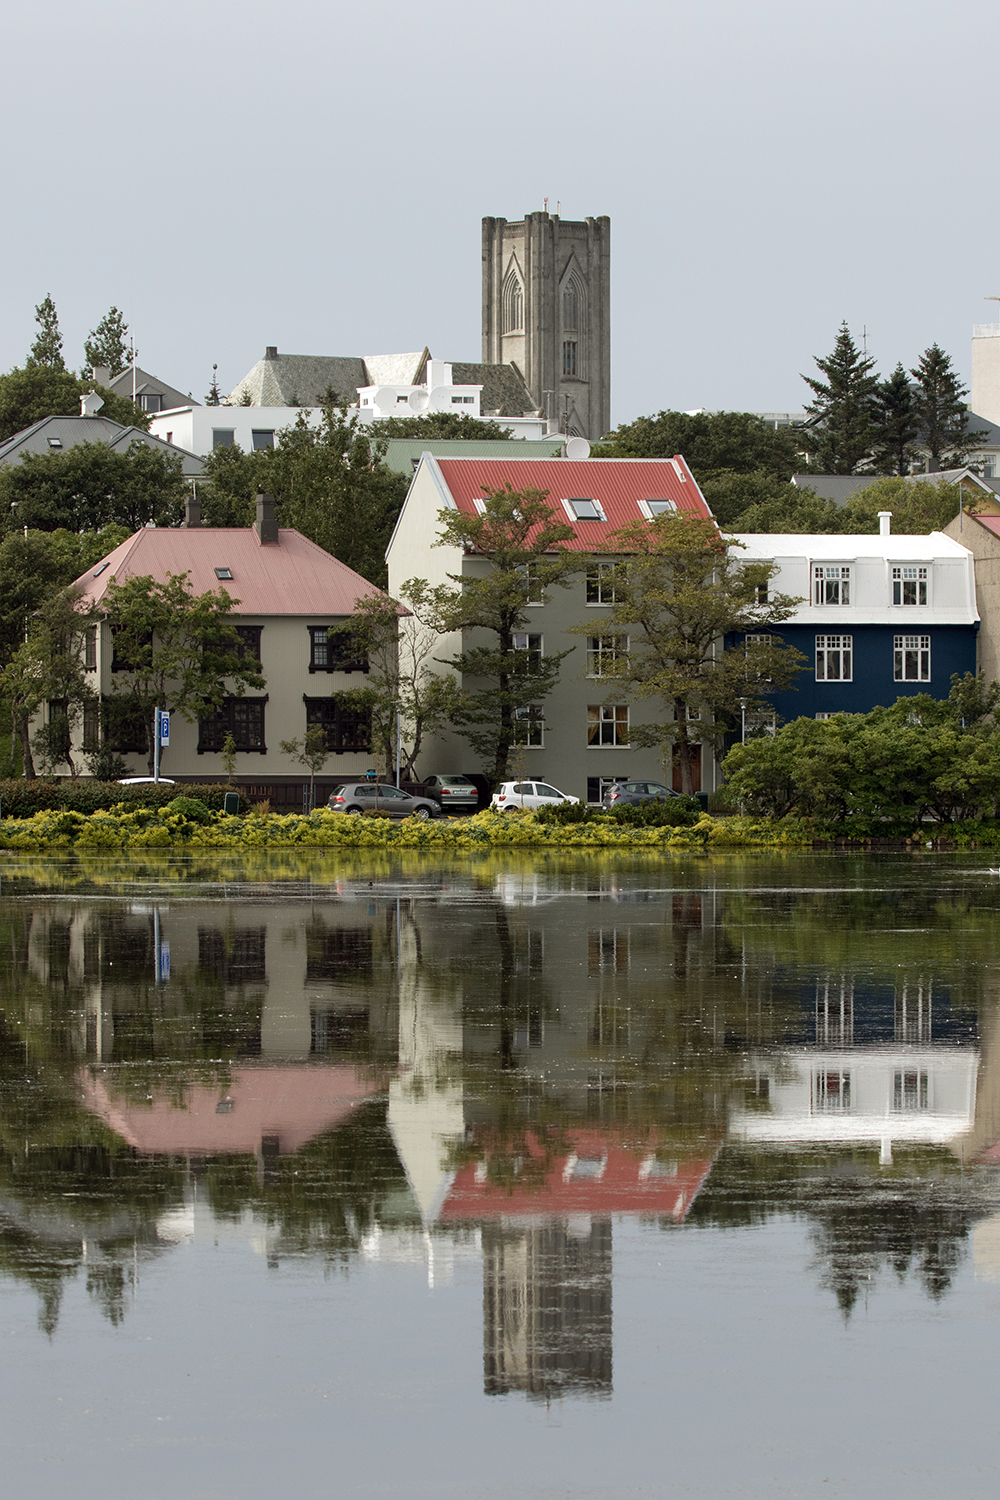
{"points": [[617, 484], [293, 1104], [992, 523], [290, 577]]}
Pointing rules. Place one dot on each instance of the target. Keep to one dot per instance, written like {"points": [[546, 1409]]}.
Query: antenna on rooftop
{"points": [[864, 339], [545, 204]]}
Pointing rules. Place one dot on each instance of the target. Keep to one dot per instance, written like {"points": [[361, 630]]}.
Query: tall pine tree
{"points": [[843, 409], [107, 345], [942, 414], [896, 424], [214, 397], [47, 348]]}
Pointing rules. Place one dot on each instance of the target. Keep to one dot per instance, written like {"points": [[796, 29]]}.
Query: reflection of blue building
{"points": [[882, 617]]}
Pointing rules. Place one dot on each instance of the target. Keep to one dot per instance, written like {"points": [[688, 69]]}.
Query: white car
{"points": [[511, 796], [145, 781]]}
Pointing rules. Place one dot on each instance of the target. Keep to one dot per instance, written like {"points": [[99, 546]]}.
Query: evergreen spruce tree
{"points": [[47, 348], [942, 413], [214, 397], [843, 410], [896, 424], [107, 345]]}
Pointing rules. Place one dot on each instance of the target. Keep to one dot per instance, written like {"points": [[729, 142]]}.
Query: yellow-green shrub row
{"points": [[158, 828]]}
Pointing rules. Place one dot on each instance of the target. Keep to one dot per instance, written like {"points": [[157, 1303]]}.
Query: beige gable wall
{"points": [[985, 548]]}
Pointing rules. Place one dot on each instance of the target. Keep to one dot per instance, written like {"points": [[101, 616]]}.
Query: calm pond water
{"points": [[542, 1177]]}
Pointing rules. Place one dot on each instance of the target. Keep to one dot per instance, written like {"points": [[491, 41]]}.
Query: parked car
{"points": [[453, 793], [511, 796], [634, 792], [356, 797]]}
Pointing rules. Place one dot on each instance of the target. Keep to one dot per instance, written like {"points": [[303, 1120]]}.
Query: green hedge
{"points": [[22, 799], [677, 812]]}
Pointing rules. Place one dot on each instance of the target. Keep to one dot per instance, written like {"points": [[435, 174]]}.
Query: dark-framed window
{"points": [[249, 647], [347, 726], [90, 649], [338, 652], [91, 726], [243, 718], [124, 651], [262, 438], [569, 357]]}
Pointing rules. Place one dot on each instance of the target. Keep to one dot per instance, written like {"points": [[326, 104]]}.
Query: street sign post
{"points": [[161, 737]]}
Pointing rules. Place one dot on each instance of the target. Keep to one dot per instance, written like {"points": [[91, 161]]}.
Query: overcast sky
{"points": [[313, 175]]}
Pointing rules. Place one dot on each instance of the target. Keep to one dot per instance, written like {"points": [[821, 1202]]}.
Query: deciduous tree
{"points": [[47, 346], [28, 395], [93, 485], [713, 443]]}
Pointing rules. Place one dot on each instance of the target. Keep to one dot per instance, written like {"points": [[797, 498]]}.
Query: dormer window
{"points": [[652, 509], [909, 585], [584, 510], [225, 574], [831, 584]]}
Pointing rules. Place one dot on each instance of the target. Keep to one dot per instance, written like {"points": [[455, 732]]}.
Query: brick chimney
{"points": [[271, 352], [265, 525]]}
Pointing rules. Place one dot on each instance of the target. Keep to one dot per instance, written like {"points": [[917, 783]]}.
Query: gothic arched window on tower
{"points": [[513, 303], [571, 306], [569, 357]]}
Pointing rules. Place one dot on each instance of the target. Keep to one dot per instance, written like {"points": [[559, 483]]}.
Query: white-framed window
{"points": [[607, 724], [532, 583], [909, 585], [529, 726], [652, 509], [831, 1090], [604, 653], [910, 1091], [601, 580], [760, 721], [831, 583], [752, 643], [911, 658], [834, 658], [531, 644], [583, 508]]}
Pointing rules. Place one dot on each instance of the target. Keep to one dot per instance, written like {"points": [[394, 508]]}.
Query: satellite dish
{"points": [[440, 398], [385, 400], [577, 448], [419, 401]]}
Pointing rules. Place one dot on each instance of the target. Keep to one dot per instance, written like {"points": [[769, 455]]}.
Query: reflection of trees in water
{"points": [[913, 1220]]}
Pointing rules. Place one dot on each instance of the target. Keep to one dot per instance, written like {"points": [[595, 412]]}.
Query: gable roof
{"points": [[504, 392], [69, 432], [301, 380], [145, 385], [616, 484], [294, 577]]}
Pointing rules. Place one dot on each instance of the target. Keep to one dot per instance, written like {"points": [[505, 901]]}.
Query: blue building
{"points": [[881, 617]]}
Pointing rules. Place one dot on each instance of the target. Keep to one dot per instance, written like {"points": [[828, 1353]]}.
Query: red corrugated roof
{"points": [[992, 523], [292, 577], [616, 484]]}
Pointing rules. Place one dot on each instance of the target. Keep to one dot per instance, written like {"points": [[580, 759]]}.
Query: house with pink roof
{"points": [[288, 592]]}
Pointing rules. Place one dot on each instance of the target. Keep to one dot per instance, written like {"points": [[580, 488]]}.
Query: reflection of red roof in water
{"points": [[601, 1175], [292, 1104]]}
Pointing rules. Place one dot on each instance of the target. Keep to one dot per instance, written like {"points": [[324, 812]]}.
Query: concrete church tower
{"points": [[547, 310]]}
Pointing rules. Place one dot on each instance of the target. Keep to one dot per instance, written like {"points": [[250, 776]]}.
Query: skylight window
{"points": [[55, 442], [225, 573], [653, 508], [585, 510], [100, 569]]}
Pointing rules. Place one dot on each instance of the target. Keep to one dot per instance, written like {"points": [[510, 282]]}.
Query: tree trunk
{"points": [[25, 738]]}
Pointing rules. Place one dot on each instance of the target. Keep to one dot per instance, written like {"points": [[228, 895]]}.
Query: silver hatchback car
{"points": [[356, 797]]}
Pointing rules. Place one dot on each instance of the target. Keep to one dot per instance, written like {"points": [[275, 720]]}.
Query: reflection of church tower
{"points": [[547, 1309], [547, 310]]}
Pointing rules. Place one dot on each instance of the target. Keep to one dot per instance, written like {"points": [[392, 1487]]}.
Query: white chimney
{"points": [[101, 374], [885, 523], [90, 404]]}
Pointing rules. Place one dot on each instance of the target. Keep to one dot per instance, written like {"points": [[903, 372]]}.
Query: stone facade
{"points": [[547, 311]]}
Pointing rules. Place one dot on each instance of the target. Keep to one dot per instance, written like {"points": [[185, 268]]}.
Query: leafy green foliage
{"points": [[92, 486], [47, 347], [107, 344], [765, 503], [675, 812], [843, 408], [881, 772], [28, 395], [329, 481], [441, 424], [713, 443], [681, 591], [518, 539], [36, 566], [22, 799]]}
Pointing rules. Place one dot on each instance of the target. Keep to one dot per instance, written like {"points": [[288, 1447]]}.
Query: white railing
{"points": [[986, 330]]}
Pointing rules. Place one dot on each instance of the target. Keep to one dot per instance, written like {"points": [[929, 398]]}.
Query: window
{"points": [[532, 584], [750, 644], [834, 658], [831, 584], [651, 509], [912, 658], [607, 951], [571, 306], [759, 721], [100, 569], [831, 1090], [824, 716], [584, 510], [262, 438], [243, 718], [91, 726], [909, 585], [604, 652], [224, 574], [763, 593], [530, 722], [334, 653], [601, 582], [55, 442], [909, 1091], [223, 437], [834, 1011], [531, 645], [129, 652], [607, 724], [569, 357], [90, 649], [463, 400], [347, 727], [152, 401], [512, 297], [249, 646]]}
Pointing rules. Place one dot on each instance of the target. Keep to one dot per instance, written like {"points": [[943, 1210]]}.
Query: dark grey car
{"points": [[453, 793], [357, 797], [633, 792]]}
